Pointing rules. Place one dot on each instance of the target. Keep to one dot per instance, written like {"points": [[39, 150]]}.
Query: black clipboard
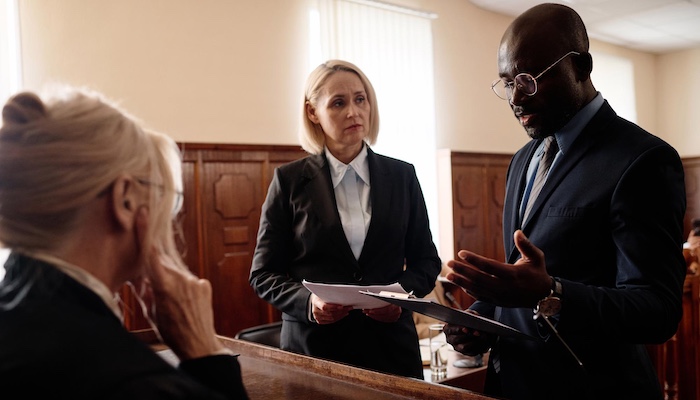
{"points": [[451, 315]]}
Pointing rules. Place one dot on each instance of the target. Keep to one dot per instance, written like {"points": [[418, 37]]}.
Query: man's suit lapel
{"points": [[589, 137], [511, 206], [319, 189]]}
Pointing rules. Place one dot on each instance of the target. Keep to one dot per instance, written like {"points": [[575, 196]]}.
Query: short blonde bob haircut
{"points": [[311, 135]]}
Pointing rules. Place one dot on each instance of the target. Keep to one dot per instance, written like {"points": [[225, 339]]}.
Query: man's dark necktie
{"points": [[550, 150]]}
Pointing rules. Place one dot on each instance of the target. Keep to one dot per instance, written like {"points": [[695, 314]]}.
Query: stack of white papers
{"points": [[349, 295]]}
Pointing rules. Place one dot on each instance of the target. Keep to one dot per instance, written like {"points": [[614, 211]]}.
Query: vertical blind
{"points": [[10, 65], [10, 68], [613, 76]]}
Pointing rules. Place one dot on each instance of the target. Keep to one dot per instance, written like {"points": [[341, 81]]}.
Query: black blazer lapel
{"points": [[318, 185], [380, 196]]}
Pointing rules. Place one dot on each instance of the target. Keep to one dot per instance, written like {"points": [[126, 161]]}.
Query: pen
{"points": [[452, 300]]}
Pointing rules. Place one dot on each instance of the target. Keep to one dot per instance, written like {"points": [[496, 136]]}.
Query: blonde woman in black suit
{"points": [[308, 231]]}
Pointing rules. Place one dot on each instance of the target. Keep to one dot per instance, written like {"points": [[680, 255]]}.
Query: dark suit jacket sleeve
{"points": [[208, 370], [213, 378], [269, 275], [422, 262], [646, 214]]}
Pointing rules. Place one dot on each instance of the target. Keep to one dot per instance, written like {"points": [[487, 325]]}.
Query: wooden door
{"points": [[477, 191], [224, 188]]}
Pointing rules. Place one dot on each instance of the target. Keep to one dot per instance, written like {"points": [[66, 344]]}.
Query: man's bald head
{"points": [[550, 25], [549, 44]]}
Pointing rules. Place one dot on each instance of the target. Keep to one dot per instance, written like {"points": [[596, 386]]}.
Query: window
{"points": [[613, 76], [393, 46], [4, 253], [10, 67]]}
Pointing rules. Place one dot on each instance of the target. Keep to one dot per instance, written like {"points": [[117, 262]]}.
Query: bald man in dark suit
{"points": [[598, 257]]}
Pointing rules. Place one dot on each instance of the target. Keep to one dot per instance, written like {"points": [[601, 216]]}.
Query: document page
{"points": [[349, 295]]}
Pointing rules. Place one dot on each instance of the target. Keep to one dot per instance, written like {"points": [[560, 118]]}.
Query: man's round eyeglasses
{"points": [[524, 82]]}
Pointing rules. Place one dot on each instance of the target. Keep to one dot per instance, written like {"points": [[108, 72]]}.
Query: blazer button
{"points": [[358, 276]]}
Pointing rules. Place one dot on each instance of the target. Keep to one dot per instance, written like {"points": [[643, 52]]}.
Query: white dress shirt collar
{"points": [[338, 168]]}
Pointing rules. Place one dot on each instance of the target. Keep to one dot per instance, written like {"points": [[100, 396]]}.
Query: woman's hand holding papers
{"points": [[390, 313], [327, 313]]}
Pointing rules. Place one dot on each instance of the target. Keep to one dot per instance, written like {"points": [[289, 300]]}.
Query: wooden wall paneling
{"points": [[231, 198], [677, 361], [469, 218], [478, 189], [188, 233], [234, 186], [495, 173], [688, 335], [691, 166], [224, 187], [131, 310]]}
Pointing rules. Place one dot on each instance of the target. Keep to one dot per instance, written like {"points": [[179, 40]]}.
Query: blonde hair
{"points": [[59, 153], [311, 135]]}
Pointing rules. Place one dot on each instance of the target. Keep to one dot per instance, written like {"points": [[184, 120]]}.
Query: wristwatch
{"points": [[550, 305]]}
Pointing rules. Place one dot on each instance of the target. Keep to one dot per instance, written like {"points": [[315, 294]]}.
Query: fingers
{"points": [[529, 252], [475, 274], [162, 272], [476, 266], [327, 313], [390, 313], [465, 340], [184, 314]]}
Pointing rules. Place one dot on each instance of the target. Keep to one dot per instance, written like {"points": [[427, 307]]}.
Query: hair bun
{"points": [[22, 108]]}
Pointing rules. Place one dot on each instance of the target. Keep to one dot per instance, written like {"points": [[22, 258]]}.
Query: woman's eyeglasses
{"points": [[179, 195]]}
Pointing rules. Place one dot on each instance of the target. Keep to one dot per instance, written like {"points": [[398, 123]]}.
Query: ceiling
{"points": [[656, 26]]}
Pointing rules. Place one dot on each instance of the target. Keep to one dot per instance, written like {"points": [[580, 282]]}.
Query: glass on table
{"points": [[438, 360]]}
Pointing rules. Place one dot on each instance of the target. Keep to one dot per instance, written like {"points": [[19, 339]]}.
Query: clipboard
{"points": [[450, 315]]}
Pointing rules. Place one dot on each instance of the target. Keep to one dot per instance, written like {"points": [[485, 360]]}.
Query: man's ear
{"points": [[124, 202], [311, 113], [584, 66]]}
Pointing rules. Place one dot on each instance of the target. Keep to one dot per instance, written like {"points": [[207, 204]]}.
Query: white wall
{"points": [[678, 100], [233, 71], [201, 71], [3, 257]]}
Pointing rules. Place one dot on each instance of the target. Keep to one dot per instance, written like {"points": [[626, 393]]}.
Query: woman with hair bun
{"points": [[87, 200]]}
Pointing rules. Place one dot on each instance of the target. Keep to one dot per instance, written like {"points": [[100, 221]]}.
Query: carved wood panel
{"points": [[224, 188], [691, 165], [478, 190], [231, 213], [677, 361], [233, 183]]}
